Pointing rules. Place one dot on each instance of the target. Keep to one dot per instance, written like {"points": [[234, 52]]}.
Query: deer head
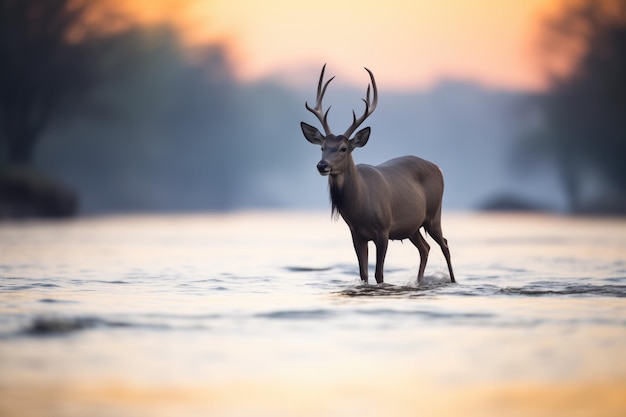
{"points": [[336, 149]]}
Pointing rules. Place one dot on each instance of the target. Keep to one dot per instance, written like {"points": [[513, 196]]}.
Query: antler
{"points": [[318, 110], [369, 107]]}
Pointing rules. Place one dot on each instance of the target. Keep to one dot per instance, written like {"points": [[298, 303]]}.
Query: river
{"points": [[263, 314]]}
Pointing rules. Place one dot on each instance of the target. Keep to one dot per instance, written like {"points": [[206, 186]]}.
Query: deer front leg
{"points": [[360, 247], [381, 251]]}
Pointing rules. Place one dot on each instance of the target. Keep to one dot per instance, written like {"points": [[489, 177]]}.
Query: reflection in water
{"points": [[234, 315]]}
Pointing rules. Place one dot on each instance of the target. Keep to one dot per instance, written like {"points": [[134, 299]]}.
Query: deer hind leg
{"points": [[434, 229], [423, 247]]}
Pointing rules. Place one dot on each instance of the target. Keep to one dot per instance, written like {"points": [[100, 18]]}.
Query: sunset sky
{"points": [[407, 43]]}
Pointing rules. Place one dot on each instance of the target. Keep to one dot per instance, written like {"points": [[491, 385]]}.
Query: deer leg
{"points": [[360, 247], [381, 251], [423, 247], [435, 231]]}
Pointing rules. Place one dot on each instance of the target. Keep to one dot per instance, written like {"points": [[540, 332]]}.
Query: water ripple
{"points": [[392, 291], [568, 290], [297, 314], [56, 301], [61, 326], [536, 289], [430, 314], [27, 287], [306, 269]]}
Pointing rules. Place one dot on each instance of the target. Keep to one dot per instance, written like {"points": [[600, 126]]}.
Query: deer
{"points": [[390, 201]]}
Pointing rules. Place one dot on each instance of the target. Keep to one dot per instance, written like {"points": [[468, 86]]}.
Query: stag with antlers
{"points": [[393, 200]]}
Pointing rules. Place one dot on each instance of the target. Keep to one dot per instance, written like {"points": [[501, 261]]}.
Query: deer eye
{"points": [[343, 149]]}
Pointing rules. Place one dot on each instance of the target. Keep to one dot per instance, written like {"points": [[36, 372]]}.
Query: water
{"points": [[263, 314]]}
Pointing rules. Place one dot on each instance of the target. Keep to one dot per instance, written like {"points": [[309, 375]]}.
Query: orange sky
{"points": [[407, 43]]}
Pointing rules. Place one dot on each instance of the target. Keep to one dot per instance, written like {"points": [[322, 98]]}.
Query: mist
{"points": [[172, 130], [135, 120]]}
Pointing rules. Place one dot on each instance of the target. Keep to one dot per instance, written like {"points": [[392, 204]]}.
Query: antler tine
{"points": [[318, 110], [370, 106]]}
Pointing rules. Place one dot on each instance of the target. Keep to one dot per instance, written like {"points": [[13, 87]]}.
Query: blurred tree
{"points": [[160, 130], [582, 123], [45, 64]]}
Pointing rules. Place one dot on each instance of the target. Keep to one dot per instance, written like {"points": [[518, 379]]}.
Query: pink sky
{"points": [[408, 44]]}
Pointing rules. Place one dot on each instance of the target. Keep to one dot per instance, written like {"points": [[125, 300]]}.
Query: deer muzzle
{"points": [[323, 167]]}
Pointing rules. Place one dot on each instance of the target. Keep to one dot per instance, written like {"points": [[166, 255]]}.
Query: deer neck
{"points": [[346, 190]]}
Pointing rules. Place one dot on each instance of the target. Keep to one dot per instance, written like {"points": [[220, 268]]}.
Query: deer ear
{"points": [[361, 137], [312, 134]]}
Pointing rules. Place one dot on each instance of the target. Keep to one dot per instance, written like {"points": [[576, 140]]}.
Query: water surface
{"points": [[263, 314]]}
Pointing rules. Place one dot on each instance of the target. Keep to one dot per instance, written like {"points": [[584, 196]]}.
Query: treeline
{"points": [[134, 121], [579, 124]]}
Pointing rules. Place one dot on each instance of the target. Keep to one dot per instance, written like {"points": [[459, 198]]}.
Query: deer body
{"points": [[393, 200], [386, 200]]}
